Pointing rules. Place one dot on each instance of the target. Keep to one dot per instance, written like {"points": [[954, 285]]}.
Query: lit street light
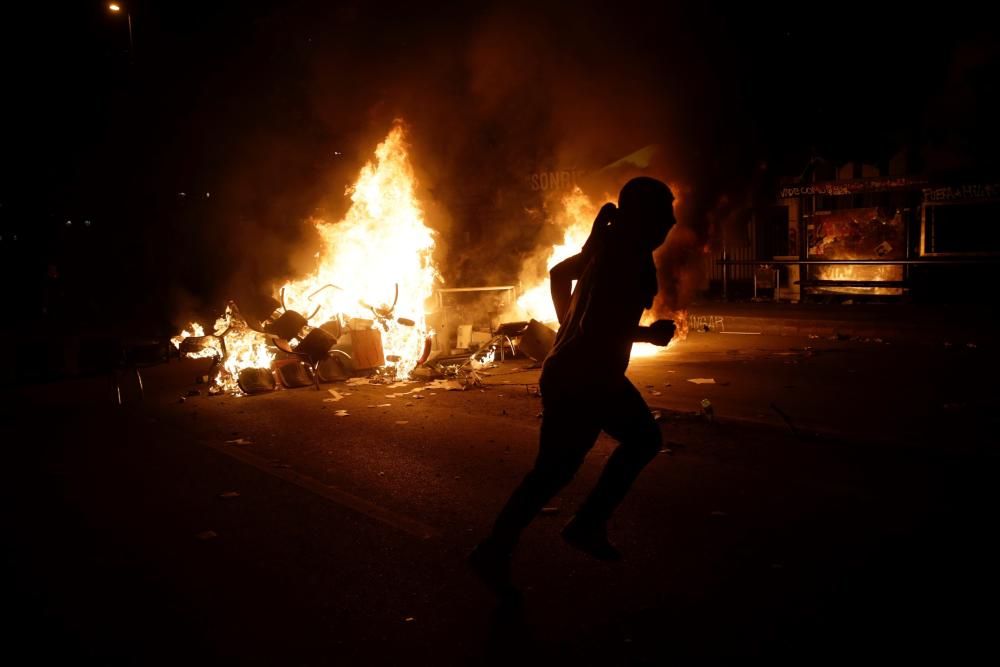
{"points": [[116, 8]]}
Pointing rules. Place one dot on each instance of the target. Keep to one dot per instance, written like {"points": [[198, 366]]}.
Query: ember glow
{"points": [[232, 341], [873, 272], [244, 348], [381, 245], [196, 331]]}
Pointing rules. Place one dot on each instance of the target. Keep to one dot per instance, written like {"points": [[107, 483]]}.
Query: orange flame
{"points": [[575, 217], [245, 348], [374, 271], [874, 272], [196, 331], [381, 245]]}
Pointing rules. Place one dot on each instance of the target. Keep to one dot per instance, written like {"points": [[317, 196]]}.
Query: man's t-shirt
{"points": [[594, 343]]}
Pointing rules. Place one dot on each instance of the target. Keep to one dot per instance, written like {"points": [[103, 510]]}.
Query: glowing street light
{"points": [[116, 8]]}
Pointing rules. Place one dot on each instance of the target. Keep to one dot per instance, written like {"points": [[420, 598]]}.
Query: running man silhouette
{"points": [[583, 384]]}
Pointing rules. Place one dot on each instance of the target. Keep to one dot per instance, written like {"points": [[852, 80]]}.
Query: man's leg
{"points": [[566, 437], [568, 432], [629, 421]]}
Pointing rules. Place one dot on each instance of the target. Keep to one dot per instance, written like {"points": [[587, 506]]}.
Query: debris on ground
{"points": [[447, 385], [702, 380], [239, 441], [334, 396], [550, 510], [707, 409], [405, 393], [340, 413], [193, 392]]}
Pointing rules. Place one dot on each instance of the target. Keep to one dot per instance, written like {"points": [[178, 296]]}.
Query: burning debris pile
{"points": [[233, 345], [363, 305]]}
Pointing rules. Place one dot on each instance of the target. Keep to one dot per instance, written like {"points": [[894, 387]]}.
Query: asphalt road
{"points": [[270, 530]]}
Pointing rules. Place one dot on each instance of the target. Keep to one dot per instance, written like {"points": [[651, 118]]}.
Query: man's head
{"points": [[646, 209]]}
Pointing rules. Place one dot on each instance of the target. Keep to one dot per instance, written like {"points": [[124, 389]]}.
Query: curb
{"points": [[908, 331]]}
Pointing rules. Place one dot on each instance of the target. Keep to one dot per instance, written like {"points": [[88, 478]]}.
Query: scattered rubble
{"points": [[334, 396]]}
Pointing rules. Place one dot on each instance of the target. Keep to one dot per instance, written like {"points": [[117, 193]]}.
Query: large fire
{"points": [[575, 217], [374, 270], [377, 259]]}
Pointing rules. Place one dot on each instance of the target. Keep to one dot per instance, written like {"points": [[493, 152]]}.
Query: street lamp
{"points": [[116, 8]]}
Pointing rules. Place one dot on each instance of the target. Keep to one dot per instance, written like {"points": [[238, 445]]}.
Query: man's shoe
{"points": [[591, 539], [492, 565]]}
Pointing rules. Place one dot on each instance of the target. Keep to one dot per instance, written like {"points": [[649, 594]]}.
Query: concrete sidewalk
{"points": [[918, 323]]}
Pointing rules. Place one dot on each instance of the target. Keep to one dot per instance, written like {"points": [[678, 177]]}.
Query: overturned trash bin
{"points": [[537, 340], [333, 369], [313, 350], [316, 345], [367, 350], [256, 381], [292, 373]]}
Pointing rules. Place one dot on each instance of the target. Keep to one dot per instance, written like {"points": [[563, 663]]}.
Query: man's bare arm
{"points": [[561, 279]]}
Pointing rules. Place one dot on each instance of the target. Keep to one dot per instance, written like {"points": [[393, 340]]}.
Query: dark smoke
{"points": [[273, 107]]}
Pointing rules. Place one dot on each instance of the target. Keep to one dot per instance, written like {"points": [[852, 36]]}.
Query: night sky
{"points": [[272, 107]]}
